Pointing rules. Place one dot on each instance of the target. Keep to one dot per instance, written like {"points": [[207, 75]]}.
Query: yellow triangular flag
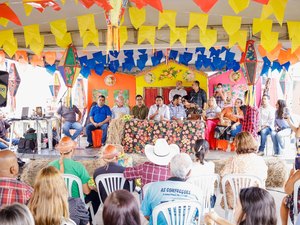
{"points": [[65, 41], [238, 5], [146, 33], [3, 22], [198, 19], [90, 37], [63, 1], [137, 16], [123, 35], [86, 22], [293, 28], [179, 34], [32, 33], [37, 47], [209, 38], [10, 47], [6, 35], [259, 25], [27, 9], [58, 28], [167, 17], [269, 40], [295, 43], [231, 24], [240, 37], [276, 7]]}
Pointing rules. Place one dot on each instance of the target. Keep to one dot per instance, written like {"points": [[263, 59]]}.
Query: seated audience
{"points": [[177, 111], [16, 214], [68, 114], [245, 162], [121, 208], [287, 205], [66, 164], [4, 141], [254, 206], [295, 129], [49, 203], [266, 122], [119, 109], [156, 169], [233, 115], [159, 111], [175, 188], [179, 90], [281, 128], [11, 189], [100, 116], [139, 111], [220, 95], [211, 115], [200, 166]]}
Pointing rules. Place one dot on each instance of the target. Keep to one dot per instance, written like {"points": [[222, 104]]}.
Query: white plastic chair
{"points": [[206, 185], [111, 182], [237, 182], [144, 191], [296, 192], [69, 180], [178, 212]]}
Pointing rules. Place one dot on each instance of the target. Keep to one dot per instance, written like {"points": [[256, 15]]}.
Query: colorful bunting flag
{"points": [[88, 30], [269, 40], [147, 33], [240, 37], [59, 30], [238, 5], [198, 19], [261, 24], [123, 35], [205, 5], [179, 34], [231, 24], [276, 7], [8, 42], [7, 13], [137, 16], [33, 38], [167, 17], [209, 38]]}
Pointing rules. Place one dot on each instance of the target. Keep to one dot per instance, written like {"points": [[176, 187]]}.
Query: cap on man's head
{"points": [[110, 151], [66, 145]]}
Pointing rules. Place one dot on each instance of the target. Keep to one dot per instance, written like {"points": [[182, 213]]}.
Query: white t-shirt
{"points": [[162, 111], [175, 91], [267, 116], [199, 169]]}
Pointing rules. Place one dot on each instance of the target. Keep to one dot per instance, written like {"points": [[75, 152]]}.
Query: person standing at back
{"points": [[198, 95], [179, 90]]}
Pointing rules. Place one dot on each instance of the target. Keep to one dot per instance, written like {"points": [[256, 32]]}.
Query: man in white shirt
{"points": [[179, 90], [266, 125], [119, 110], [159, 111]]}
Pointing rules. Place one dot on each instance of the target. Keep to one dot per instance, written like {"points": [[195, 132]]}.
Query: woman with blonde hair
{"points": [[246, 161], [49, 201], [211, 116]]}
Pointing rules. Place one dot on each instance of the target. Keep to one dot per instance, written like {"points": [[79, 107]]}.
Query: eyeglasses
{"points": [[139, 99]]}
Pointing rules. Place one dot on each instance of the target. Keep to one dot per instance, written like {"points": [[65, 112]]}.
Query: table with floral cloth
{"points": [[138, 133]]}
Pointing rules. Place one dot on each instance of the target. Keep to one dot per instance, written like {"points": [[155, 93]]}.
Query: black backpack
{"points": [[28, 144]]}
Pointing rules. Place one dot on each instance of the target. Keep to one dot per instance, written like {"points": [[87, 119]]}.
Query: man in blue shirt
{"points": [[177, 111], [99, 116]]}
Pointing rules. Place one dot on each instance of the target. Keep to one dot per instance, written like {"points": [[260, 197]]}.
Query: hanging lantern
{"points": [[113, 20], [69, 68], [14, 81], [250, 64]]}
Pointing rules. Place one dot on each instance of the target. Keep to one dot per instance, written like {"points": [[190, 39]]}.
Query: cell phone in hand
{"points": [[285, 113], [297, 162]]}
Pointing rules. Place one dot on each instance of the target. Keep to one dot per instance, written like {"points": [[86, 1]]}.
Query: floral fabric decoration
{"points": [[189, 76], [169, 73], [138, 133]]}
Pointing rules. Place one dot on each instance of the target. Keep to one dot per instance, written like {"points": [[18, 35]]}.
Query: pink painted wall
{"points": [[224, 79]]}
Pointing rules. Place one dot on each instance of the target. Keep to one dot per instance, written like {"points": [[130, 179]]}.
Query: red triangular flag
{"points": [[205, 5], [7, 13], [156, 4], [262, 1]]}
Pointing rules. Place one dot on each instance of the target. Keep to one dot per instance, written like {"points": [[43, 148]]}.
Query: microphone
{"points": [[157, 107]]}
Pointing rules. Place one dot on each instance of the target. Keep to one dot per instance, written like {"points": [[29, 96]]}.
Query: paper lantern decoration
{"points": [[69, 66], [113, 18], [250, 64], [55, 88], [14, 81]]}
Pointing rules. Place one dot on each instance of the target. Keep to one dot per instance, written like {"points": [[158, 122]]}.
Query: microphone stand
{"points": [[60, 121]]}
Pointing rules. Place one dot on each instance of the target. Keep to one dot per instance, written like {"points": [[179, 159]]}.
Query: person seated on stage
{"points": [[4, 141], [11, 189], [198, 95], [245, 162], [179, 90], [177, 111], [119, 110], [220, 95], [156, 169], [65, 164], [233, 115], [16, 214], [139, 111], [192, 110], [211, 115], [200, 166], [68, 115], [175, 188], [266, 123], [100, 116], [159, 111]]}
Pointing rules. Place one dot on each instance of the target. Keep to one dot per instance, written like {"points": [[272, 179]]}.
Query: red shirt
{"points": [[12, 190], [148, 172]]}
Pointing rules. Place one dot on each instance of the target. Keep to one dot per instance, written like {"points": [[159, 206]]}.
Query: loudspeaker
{"points": [[3, 88]]}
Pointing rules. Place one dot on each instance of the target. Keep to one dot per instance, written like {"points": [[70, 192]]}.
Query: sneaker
{"points": [[260, 153], [89, 146]]}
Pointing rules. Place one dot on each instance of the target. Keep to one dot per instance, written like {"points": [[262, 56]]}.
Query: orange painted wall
{"points": [[123, 82]]}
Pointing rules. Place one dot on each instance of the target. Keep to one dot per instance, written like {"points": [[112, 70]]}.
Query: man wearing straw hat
{"points": [[156, 169]]}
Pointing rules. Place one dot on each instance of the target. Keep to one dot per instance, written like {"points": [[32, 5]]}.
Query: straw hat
{"points": [[161, 153], [110, 151], [66, 145]]}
